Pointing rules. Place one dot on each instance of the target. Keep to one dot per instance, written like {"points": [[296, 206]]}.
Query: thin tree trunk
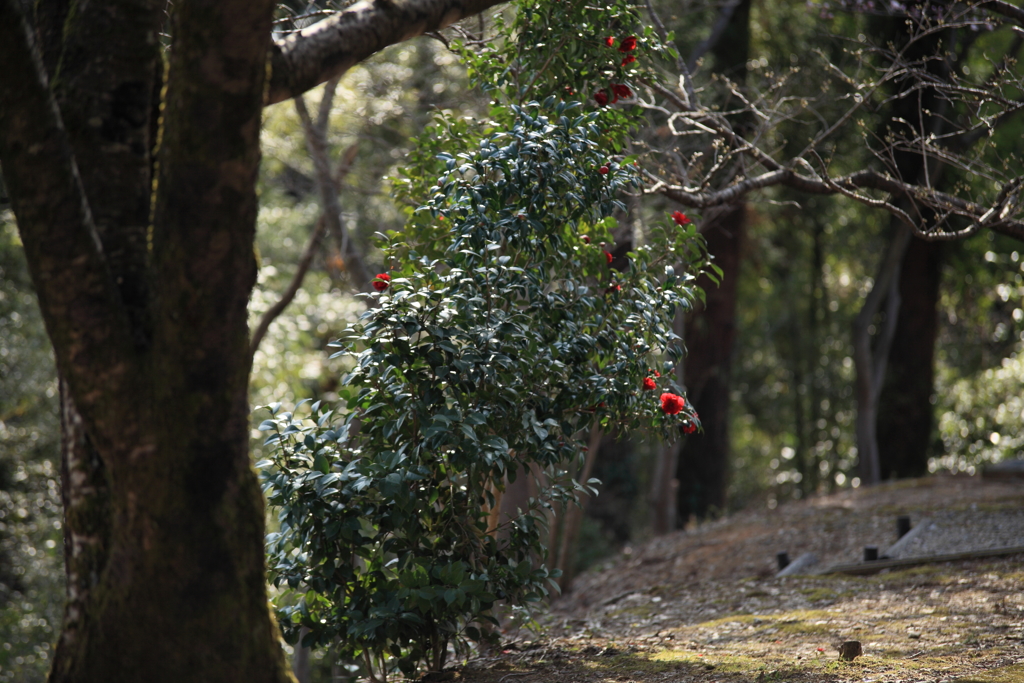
{"points": [[574, 515], [301, 665], [871, 362], [905, 420], [703, 460], [316, 140], [913, 110]]}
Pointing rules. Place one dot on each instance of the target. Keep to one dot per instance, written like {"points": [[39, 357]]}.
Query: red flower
{"points": [[586, 239], [622, 90], [608, 256], [613, 288], [649, 384], [629, 59], [689, 428], [601, 97], [603, 170], [610, 41], [628, 44], [672, 404], [680, 218], [657, 374], [380, 283]]}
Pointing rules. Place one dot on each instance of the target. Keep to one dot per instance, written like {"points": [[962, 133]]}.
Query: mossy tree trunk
{"points": [[149, 324], [135, 200]]}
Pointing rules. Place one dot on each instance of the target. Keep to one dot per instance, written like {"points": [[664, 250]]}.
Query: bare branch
{"points": [[278, 308], [1005, 9], [331, 47]]}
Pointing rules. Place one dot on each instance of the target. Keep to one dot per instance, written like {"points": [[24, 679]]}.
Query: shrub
{"points": [[470, 369]]}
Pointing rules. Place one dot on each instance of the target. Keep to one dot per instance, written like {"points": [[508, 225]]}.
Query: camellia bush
{"points": [[498, 338]]}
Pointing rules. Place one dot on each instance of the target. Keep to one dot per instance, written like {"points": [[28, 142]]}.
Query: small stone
{"points": [[850, 650]]}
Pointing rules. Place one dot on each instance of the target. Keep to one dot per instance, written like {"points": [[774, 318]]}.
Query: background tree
{"points": [[753, 163], [710, 332]]}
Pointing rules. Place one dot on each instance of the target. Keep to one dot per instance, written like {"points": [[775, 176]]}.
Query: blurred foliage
{"points": [[809, 264], [31, 548], [980, 377]]}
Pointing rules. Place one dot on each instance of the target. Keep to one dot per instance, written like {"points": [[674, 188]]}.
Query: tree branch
{"points": [[316, 141], [1004, 8], [324, 177], [941, 202], [277, 309], [331, 47]]}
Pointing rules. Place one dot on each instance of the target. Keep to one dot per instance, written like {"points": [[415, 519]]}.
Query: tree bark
{"points": [[703, 464], [164, 515], [331, 47], [906, 417], [902, 421], [870, 362]]}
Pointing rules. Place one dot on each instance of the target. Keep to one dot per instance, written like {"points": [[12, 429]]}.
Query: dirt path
{"points": [[704, 605]]}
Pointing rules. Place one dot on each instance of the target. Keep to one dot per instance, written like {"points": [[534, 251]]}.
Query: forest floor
{"points": [[704, 605]]}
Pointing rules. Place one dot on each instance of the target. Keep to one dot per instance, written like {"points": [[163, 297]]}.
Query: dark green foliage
{"points": [[474, 366]]}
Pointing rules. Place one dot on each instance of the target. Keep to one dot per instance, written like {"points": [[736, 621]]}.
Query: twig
{"points": [[293, 287]]}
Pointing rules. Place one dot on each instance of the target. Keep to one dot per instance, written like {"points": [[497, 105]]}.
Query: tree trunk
{"points": [[903, 420], [703, 459], [870, 359], [703, 464], [166, 570], [905, 412]]}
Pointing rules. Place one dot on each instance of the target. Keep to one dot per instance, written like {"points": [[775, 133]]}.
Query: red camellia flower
{"points": [[603, 170], [671, 404], [622, 90], [608, 256], [380, 283], [657, 374], [610, 41], [601, 97], [628, 44], [680, 218], [649, 384], [689, 428], [629, 59]]}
